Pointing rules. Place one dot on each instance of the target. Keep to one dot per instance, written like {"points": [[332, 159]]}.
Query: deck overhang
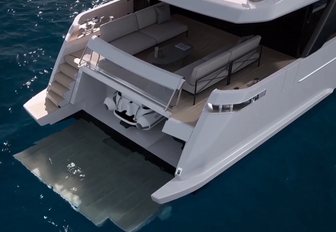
{"points": [[242, 11]]}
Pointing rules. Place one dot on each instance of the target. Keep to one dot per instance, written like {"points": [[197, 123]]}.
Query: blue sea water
{"points": [[287, 184]]}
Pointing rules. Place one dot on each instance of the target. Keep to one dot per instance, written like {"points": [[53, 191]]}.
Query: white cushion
{"points": [[244, 47], [164, 31], [146, 17], [163, 13], [215, 64], [119, 27], [205, 83], [187, 70], [134, 43], [209, 66]]}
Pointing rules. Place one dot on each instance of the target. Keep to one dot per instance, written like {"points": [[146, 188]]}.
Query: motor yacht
{"points": [[196, 84]]}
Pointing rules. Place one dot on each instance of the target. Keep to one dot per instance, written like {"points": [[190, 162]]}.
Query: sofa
{"points": [[143, 29], [220, 64]]}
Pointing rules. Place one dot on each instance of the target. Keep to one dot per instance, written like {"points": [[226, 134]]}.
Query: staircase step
{"points": [[78, 54], [64, 80], [58, 88], [55, 98], [72, 61], [68, 70], [50, 106]]}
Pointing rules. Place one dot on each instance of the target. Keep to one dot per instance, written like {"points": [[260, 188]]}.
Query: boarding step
{"points": [[64, 80], [50, 107], [59, 89], [72, 61], [178, 129], [40, 106], [44, 111], [68, 70], [55, 98]]}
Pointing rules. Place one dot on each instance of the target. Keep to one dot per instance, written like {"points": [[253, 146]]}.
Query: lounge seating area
{"points": [[220, 65], [143, 29], [136, 32]]}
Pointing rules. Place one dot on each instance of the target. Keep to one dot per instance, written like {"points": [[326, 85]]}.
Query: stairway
{"points": [[59, 91]]}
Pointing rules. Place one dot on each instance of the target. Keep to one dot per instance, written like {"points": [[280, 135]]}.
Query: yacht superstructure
{"points": [[198, 85]]}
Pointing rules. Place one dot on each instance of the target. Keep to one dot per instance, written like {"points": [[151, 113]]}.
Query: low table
{"points": [[170, 53]]}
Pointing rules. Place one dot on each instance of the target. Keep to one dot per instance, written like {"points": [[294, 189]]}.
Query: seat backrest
{"points": [[146, 17], [209, 66], [244, 47], [119, 27], [162, 12]]}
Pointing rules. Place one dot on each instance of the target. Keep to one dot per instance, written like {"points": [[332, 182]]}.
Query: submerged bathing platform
{"points": [[101, 179]]}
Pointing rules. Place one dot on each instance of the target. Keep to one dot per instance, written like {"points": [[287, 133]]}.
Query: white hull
{"points": [[235, 134]]}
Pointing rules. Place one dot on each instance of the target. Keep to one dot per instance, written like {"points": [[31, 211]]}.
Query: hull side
{"points": [[222, 138]]}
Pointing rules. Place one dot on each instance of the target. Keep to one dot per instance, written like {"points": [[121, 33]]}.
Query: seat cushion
{"points": [[146, 17], [119, 27], [209, 66], [209, 70], [244, 47], [165, 31], [134, 43], [207, 82], [187, 70]]}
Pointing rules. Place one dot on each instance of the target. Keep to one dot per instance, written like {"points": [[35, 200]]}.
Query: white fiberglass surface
{"points": [[154, 83], [237, 1], [243, 11], [155, 91]]}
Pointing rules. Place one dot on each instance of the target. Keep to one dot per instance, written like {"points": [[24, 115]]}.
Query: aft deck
{"points": [[206, 39]]}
